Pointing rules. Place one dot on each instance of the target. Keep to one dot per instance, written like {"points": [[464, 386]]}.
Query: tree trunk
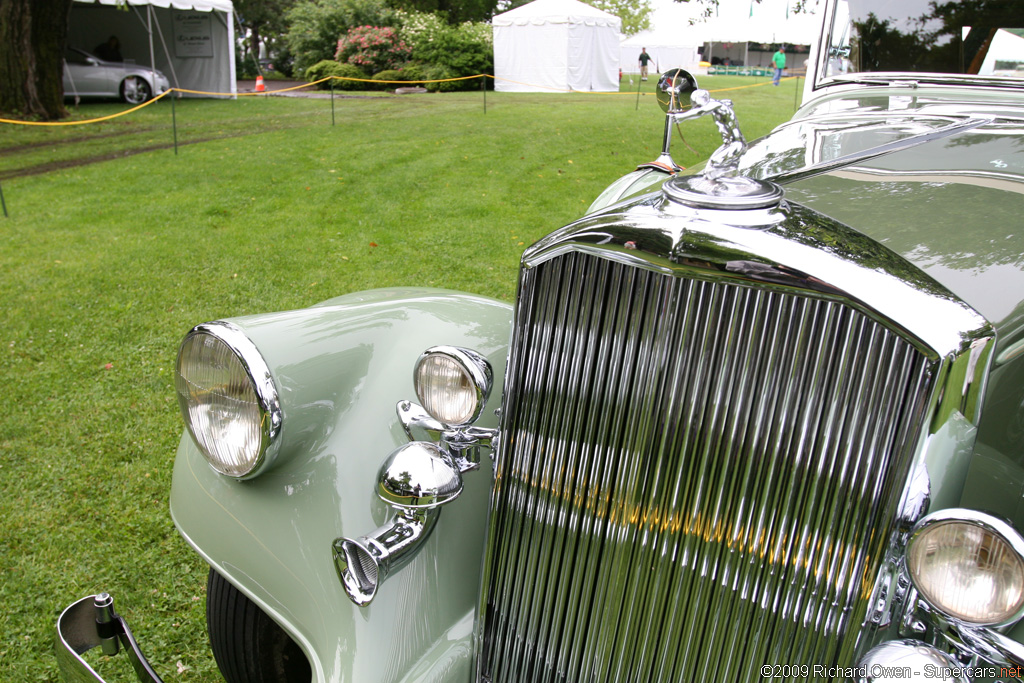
{"points": [[33, 35]]}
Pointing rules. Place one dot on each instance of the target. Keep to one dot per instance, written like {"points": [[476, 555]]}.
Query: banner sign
{"points": [[192, 34]]}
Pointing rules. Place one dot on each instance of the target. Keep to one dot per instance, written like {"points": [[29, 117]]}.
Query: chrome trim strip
{"points": [[789, 248]]}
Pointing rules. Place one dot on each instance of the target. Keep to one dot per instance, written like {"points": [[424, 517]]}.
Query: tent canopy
{"points": [[556, 45], [190, 41], [664, 47]]}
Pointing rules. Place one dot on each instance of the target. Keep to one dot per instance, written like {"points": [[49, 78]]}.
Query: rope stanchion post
{"points": [[639, 84], [332, 101], [2, 202], [483, 86]]}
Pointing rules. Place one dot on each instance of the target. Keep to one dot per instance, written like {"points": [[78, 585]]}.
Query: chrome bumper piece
{"points": [[92, 622]]}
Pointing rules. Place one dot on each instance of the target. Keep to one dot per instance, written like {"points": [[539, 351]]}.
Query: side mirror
{"points": [[674, 89]]}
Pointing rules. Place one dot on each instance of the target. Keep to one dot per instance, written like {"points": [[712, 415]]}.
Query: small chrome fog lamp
{"points": [[227, 399], [452, 384], [969, 566]]}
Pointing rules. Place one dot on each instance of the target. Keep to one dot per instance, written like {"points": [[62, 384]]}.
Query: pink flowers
{"points": [[373, 48]]}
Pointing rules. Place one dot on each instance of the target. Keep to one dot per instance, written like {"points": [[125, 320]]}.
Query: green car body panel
{"points": [[945, 199], [341, 367]]}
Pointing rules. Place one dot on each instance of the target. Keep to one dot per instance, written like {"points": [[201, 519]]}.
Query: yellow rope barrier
{"points": [[322, 80], [79, 123]]}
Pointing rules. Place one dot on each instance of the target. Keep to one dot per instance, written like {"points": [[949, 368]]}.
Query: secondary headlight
{"points": [[228, 399], [452, 384], [969, 566]]}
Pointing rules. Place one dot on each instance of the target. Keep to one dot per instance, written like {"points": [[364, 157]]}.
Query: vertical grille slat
{"points": [[696, 477]]}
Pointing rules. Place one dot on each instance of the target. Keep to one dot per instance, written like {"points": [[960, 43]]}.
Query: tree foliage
{"points": [[265, 21], [316, 25], [33, 35], [454, 11], [635, 14]]}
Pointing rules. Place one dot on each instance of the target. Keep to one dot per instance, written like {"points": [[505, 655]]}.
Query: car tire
{"points": [[248, 645], [135, 90]]}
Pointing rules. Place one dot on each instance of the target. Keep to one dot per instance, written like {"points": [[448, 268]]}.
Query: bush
{"points": [[409, 74], [373, 48], [314, 26], [447, 51], [329, 67]]}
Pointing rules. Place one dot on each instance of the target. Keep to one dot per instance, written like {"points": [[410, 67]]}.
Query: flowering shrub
{"points": [[373, 48], [447, 51]]}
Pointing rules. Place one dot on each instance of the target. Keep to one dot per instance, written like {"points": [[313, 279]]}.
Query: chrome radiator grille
{"points": [[696, 478]]}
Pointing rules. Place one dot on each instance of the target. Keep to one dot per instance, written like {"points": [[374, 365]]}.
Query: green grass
{"points": [[106, 264]]}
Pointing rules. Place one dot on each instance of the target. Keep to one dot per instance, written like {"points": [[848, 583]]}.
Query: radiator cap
{"points": [[728, 192]]}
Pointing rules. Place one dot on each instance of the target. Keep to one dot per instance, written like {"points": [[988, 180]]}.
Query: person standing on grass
{"points": [[644, 59], [779, 59]]}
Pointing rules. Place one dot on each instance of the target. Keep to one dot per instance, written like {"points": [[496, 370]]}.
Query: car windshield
{"points": [[963, 37]]}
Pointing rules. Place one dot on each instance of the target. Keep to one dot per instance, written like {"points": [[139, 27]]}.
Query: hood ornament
{"points": [[719, 185]]}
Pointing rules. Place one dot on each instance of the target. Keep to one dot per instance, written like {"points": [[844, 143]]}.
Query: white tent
{"points": [[732, 25], [556, 45], [664, 47], [190, 41]]}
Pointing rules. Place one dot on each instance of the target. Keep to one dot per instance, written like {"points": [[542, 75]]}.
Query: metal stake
{"points": [[332, 100], [2, 202], [174, 123], [483, 86]]}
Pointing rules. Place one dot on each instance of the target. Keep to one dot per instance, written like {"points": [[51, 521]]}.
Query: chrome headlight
{"points": [[228, 399], [452, 384], [969, 566]]}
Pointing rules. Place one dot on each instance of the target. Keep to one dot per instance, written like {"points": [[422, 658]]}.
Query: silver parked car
{"points": [[86, 75]]}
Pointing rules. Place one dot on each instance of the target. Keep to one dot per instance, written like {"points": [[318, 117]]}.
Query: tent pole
{"points": [[167, 54], [152, 60]]}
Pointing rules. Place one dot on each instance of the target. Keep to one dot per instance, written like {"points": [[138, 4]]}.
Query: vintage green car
{"points": [[761, 421]]}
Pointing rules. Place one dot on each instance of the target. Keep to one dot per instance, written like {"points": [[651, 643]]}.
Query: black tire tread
{"points": [[248, 645]]}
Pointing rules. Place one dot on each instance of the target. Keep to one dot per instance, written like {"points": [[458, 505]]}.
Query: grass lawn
{"points": [[115, 247]]}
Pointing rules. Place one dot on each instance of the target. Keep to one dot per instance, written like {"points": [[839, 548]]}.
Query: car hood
{"points": [[949, 200]]}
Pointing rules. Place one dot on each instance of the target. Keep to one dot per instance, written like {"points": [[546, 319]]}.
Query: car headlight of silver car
{"points": [[228, 399], [969, 566], [452, 384]]}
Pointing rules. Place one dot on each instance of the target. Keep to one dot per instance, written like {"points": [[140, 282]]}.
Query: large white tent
{"points": [[556, 45], [732, 26], [665, 48], [190, 41]]}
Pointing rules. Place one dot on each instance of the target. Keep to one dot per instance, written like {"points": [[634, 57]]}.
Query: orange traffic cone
{"points": [[259, 84]]}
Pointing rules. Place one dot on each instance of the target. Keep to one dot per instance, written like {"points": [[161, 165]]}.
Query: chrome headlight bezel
{"points": [[998, 529], [475, 369], [270, 415]]}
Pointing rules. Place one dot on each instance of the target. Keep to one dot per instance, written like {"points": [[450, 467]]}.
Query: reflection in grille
{"points": [[696, 478]]}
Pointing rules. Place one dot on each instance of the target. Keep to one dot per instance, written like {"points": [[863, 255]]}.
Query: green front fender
{"points": [[340, 368]]}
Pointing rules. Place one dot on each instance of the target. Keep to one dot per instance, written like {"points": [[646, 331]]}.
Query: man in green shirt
{"points": [[779, 59], [644, 59]]}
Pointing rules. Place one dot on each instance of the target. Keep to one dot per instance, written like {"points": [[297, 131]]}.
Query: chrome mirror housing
{"points": [[415, 480], [418, 476], [674, 89]]}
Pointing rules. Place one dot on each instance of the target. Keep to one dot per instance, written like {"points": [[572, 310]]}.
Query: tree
{"points": [[455, 11], [33, 35], [264, 20], [635, 14]]}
